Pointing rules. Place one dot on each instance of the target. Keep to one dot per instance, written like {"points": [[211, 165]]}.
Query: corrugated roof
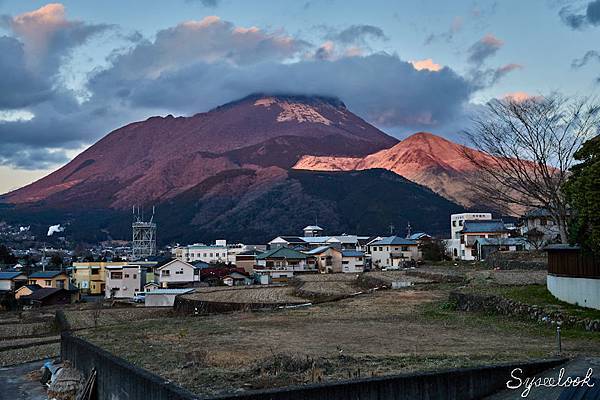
{"points": [[313, 228], [484, 226], [9, 275], [42, 293], [391, 240], [418, 235], [281, 252], [45, 274]]}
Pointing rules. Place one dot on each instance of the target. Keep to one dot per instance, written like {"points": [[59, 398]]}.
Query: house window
{"points": [[166, 272], [134, 276], [404, 248], [116, 275], [95, 272], [48, 283], [345, 262], [126, 275]]}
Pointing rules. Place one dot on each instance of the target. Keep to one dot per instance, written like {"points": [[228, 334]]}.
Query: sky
{"points": [[71, 72]]}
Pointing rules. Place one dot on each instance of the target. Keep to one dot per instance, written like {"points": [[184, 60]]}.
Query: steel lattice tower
{"points": [[144, 236]]}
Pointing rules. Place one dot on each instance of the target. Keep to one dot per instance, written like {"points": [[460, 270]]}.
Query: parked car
{"points": [[139, 297]]}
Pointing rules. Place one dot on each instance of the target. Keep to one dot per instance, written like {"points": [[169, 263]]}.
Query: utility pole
{"points": [[392, 229], [408, 230]]}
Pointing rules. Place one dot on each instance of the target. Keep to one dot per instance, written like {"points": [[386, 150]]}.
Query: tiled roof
{"points": [[418, 235], [9, 275], [484, 226], [391, 240], [313, 228], [42, 293], [45, 274], [536, 213], [281, 252], [169, 291]]}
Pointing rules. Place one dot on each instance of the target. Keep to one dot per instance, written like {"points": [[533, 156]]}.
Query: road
{"points": [[14, 384]]}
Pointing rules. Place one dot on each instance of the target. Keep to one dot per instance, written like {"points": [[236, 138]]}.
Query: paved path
{"points": [[574, 368], [14, 385]]}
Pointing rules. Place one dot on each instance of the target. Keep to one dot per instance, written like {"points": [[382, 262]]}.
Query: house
{"points": [[49, 279], [90, 277], [325, 259], [487, 246], [313, 230], [479, 229], [286, 241], [124, 281], [247, 260], [176, 273], [163, 297], [456, 225], [281, 263], [237, 279], [393, 251], [26, 290], [150, 286], [47, 296], [353, 261], [420, 237], [10, 281], [539, 228]]}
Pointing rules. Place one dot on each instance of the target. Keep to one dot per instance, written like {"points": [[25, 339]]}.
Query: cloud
{"points": [[587, 57], [486, 77], [518, 97], [447, 36], [579, 19], [484, 49], [357, 34], [197, 65], [48, 36], [426, 64]]}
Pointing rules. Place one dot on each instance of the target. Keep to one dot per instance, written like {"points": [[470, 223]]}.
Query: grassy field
{"points": [[380, 333]]}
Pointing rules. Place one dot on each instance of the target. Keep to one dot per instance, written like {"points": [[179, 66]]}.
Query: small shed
{"points": [[164, 297]]}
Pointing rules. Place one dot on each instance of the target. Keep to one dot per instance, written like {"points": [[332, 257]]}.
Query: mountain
{"points": [[423, 158], [154, 160], [228, 173]]}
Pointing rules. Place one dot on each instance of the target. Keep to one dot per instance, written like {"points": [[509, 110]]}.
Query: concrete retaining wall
{"points": [[119, 380], [583, 292]]}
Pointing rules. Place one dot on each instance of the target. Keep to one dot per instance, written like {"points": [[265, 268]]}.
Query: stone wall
{"points": [[503, 306]]}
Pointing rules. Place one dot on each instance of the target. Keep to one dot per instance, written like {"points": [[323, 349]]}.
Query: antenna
{"points": [[408, 230], [392, 229]]}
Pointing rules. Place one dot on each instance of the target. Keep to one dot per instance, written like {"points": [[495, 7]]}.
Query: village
{"points": [[143, 276]]}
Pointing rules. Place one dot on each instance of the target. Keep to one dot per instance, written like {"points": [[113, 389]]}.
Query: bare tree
{"points": [[528, 148]]}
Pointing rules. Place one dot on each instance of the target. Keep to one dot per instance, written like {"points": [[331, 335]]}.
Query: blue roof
{"points": [[418, 235], [9, 275], [45, 274], [394, 240], [484, 226], [352, 253], [318, 250]]}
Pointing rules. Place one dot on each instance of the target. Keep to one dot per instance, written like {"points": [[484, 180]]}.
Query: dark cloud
{"points": [[447, 36], [578, 19], [18, 86], [357, 34], [486, 77], [587, 57], [484, 49]]}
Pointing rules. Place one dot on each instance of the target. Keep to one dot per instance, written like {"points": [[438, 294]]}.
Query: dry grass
{"points": [[249, 295], [380, 333]]}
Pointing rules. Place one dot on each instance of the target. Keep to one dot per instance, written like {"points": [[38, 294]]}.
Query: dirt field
{"points": [[381, 333], [266, 295]]}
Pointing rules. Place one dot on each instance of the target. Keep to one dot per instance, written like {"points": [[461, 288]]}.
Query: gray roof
{"points": [[391, 240], [484, 226], [318, 250], [536, 213], [516, 241], [561, 246], [313, 228], [418, 235], [169, 291], [46, 274]]}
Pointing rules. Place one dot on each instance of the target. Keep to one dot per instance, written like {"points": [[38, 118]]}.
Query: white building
{"points": [[124, 281], [353, 261], [220, 252], [392, 251], [539, 228], [177, 272], [456, 225], [463, 245]]}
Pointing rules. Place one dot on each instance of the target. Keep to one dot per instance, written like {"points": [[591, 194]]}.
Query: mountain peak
{"points": [[312, 100]]}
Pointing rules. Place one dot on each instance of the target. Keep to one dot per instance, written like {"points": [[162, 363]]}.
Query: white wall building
{"points": [[177, 272], [456, 225], [163, 297], [124, 281], [392, 251], [353, 261]]}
